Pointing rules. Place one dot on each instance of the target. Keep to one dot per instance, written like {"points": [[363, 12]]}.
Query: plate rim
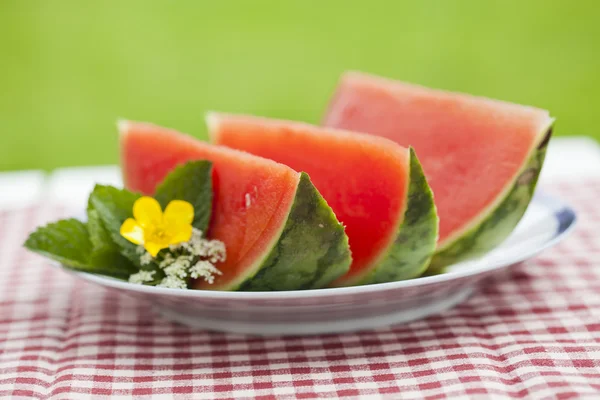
{"points": [[555, 204]]}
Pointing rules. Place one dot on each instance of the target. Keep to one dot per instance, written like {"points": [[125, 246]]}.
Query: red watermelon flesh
{"points": [[150, 152], [364, 179], [471, 148]]}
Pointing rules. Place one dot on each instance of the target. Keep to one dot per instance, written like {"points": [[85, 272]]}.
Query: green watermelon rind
{"points": [[412, 249], [492, 230], [311, 251]]}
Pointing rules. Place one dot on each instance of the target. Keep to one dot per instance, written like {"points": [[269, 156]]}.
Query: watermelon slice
{"points": [[375, 187], [278, 231], [481, 157]]}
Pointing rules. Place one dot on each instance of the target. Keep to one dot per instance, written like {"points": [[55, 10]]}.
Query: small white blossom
{"points": [[216, 251], [183, 261], [142, 277], [146, 259], [173, 282], [204, 270], [199, 248], [166, 261], [178, 269], [197, 233]]}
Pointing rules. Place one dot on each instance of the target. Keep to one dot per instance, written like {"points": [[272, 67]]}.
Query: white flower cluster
{"points": [[211, 250], [194, 259], [142, 277]]}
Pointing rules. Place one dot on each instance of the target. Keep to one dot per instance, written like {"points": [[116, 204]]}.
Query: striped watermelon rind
{"points": [[311, 251], [494, 228], [411, 251]]}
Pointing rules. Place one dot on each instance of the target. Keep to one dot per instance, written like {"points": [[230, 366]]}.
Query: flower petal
{"points": [[147, 212], [179, 213], [153, 248], [131, 231], [183, 234]]}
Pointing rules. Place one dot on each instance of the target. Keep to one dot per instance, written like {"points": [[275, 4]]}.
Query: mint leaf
{"points": [[99, 236], [105, 252], [65, 241], [114, 206], [191, 182], [111, 264]]}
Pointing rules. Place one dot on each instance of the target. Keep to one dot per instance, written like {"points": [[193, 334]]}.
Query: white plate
{"points": [[546, 222]]}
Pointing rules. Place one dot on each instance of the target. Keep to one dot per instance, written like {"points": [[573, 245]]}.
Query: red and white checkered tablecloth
{"points": [[534, 333]]}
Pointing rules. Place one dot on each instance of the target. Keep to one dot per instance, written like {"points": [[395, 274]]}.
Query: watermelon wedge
{"points": [[481, 157], [375, 187], [278, 231]]}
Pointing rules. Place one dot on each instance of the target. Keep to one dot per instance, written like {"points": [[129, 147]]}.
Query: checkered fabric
{"points": [[533, 333]]}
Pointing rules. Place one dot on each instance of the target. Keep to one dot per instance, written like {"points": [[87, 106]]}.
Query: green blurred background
{"points": [[69, 69]]}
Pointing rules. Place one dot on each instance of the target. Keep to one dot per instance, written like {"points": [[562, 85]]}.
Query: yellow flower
{"points": [[157, 230]]}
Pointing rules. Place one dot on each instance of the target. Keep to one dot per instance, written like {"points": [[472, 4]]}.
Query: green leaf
{"points": [[114, 206], [68, 242], [105, 252], [111, 264], [99, 236], [65, 241], [191, 182]]}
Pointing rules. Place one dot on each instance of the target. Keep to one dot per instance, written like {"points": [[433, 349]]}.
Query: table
{"points": [[534, 332]]}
